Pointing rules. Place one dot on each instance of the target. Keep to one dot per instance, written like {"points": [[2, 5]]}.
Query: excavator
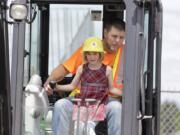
{"points": [[43, 28]]}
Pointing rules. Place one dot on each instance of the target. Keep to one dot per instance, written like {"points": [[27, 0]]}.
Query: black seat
{"points": [[56, 96], [101, 128]]}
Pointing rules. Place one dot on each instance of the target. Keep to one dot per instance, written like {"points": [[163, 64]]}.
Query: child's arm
{"points": [[113, 90], [73, 84]]}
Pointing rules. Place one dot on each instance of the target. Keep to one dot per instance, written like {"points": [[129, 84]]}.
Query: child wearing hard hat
{"points": [[95, 80]]}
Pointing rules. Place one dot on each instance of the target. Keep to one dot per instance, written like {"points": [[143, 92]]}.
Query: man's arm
{"points": [[57, 75], [69, 66]]}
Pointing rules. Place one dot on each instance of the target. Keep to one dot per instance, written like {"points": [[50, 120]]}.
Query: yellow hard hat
{"points": [[93, 44]]}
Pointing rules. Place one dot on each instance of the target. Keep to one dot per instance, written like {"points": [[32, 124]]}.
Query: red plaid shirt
{"points": [[94, 84]]}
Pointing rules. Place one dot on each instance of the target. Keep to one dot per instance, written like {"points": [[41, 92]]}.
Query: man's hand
{"points": [[50, 86], [47, 88], [57, 74], [116, 91]]}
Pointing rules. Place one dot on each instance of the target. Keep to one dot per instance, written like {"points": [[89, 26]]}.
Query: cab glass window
{"points": [[70, 25]]}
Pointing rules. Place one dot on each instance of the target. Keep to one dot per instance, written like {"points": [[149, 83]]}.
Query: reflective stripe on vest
{"points": [[118, 69]]}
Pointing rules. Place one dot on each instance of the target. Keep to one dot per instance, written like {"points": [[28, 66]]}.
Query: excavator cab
{"points": [[46, 32]]}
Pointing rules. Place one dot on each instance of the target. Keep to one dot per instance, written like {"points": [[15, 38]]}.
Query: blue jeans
{"points": [[63, 111]]}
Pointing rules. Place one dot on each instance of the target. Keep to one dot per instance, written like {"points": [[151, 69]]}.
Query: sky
{"points": [[171, 49]]}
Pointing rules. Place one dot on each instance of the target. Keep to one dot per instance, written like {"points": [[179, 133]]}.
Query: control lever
{"points": [[78, 101], [88, 101], [54, 96], [52, 84]]}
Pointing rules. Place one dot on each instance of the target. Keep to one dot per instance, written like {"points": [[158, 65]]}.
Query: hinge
{"points": [[142, 2], [3, 5]]}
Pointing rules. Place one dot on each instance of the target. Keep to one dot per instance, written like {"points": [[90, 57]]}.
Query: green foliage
{"points": [[42, 124]]}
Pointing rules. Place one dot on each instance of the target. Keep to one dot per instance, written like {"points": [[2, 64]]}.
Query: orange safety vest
{"points": [[117, 73]]}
